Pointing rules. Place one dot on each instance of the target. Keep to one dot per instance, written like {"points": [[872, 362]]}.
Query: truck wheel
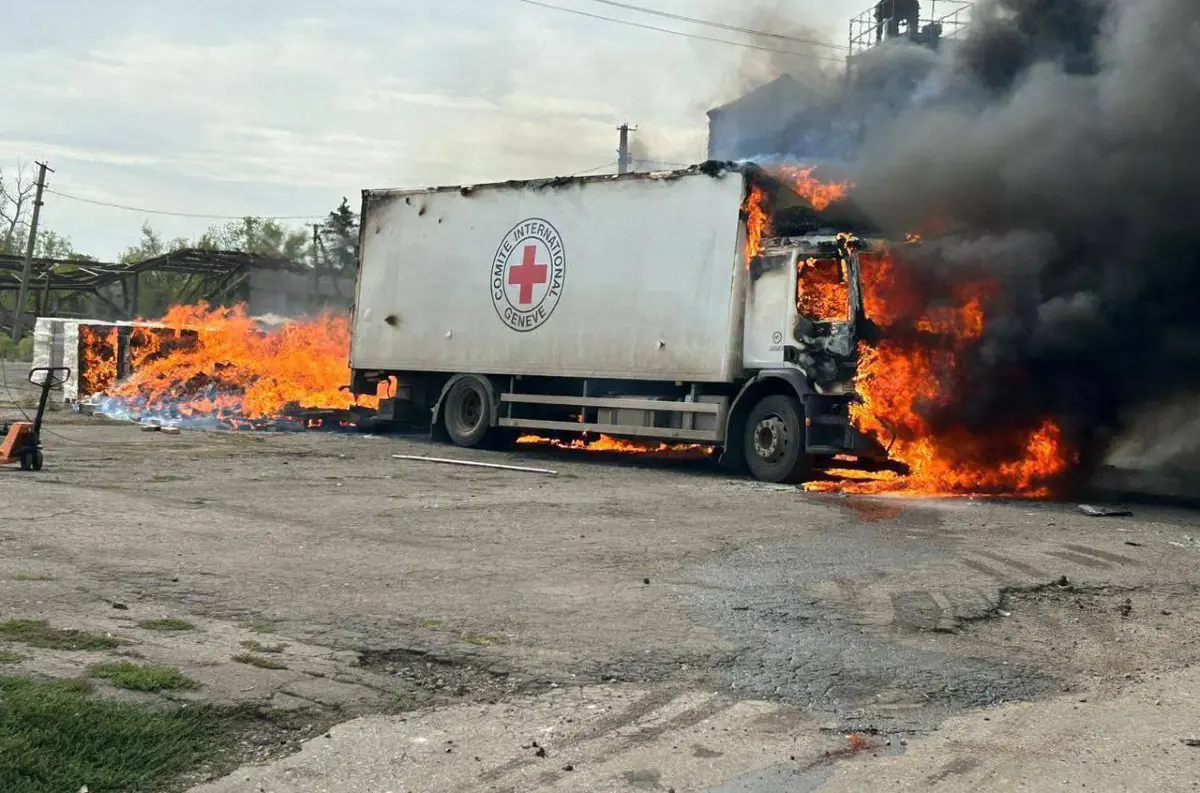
{"points": [[465, 412], [774, 440]]}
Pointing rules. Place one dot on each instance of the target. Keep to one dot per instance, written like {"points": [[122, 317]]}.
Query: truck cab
{"points": [[803, 325]]}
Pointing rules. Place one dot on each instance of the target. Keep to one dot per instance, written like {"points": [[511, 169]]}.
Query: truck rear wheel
{"points": [[774, 440], [466, 413]]}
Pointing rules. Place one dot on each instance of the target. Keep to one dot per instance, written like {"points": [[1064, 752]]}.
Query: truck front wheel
{"points": [[774, 440], [466, 413]]}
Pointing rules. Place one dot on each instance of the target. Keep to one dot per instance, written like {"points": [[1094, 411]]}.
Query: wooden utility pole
{"points": [[624, 160], [316, 262], [27, 267]]}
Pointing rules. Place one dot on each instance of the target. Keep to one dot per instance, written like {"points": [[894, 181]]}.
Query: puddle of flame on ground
{"points": [[605, 443]]}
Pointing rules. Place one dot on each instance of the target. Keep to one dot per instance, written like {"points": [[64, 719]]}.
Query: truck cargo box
{"points": [[636, 276]]}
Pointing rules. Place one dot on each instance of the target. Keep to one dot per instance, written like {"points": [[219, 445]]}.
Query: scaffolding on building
{"points": [[927, 23]]}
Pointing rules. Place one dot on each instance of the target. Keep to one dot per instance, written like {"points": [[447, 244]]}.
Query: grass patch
{"points": [[259, 647], [480, 639], [38, 633], [9, 658], [260, 661], [168, 625], [137, 677], [32, 577], [55, 737], [470, 637]]}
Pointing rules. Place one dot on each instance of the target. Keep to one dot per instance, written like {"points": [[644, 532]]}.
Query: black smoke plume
{"points": [[1056, 150]]}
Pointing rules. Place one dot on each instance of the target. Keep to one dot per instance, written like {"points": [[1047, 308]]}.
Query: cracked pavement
{"points": [[655, 624]]}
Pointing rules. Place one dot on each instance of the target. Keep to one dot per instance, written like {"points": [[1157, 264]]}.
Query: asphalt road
{"points": [[655, 624]]}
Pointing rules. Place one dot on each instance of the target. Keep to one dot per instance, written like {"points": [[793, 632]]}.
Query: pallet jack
{"points": [[23, 439]]}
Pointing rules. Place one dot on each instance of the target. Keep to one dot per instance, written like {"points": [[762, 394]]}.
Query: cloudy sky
{"points": [[274, 107]]}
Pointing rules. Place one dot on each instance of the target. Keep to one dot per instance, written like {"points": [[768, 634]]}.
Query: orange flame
{"points": [[757, 221], [909, 373], [219, 362], [98, 358], [820, 194], [822, 290], [605, 443]]}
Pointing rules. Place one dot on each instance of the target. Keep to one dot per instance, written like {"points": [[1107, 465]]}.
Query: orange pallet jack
{"points": [[23, 439]]}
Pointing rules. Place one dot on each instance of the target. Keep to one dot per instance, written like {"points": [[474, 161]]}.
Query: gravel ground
{"points": [[623, 606]]}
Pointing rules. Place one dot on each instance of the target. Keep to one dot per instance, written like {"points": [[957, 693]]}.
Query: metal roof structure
{"points": [[211, 275]]}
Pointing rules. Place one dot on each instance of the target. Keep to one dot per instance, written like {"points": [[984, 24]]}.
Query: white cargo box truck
{"points": [[624, 305]]}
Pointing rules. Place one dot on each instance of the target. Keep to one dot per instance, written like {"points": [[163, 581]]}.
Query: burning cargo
{"points": [[215, 367], [100, 353]]}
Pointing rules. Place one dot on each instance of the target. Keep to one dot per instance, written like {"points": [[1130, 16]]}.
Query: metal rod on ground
{"points": [[30, 244], [448, 461]]}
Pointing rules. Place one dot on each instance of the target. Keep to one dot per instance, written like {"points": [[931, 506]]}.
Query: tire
{"points": [[773, 441], [466, 413], [31, 460]]}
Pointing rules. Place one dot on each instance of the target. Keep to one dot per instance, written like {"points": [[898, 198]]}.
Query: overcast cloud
{"points": [[281, 108]]}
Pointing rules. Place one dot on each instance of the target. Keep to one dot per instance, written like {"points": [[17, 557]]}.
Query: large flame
{"points": [[757, 221], [200, 361], [906, 378], [97, 358], [823, 290], [800, 179]]}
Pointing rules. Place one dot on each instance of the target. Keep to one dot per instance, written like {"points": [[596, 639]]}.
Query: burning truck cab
{"points": [[718, 306]]}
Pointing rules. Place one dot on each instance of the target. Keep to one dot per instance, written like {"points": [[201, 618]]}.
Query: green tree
{"points": [[156, 291], [339, 239], [258, 236]]}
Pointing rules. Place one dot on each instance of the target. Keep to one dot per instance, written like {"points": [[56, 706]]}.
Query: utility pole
{"points": [[27, 267], [624, 160], [316, 272]]}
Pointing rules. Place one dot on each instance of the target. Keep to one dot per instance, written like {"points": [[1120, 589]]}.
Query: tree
{"points": [[258, 236], [16, 202], [156, 291], [339, 239]]}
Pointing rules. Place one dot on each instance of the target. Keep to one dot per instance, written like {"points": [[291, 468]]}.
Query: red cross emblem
{"points": [[528, 274], [526, 277]]}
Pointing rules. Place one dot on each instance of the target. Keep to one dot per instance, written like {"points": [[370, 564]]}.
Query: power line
{"points": [[721, 25], [663, 162], [179, 214], [593, 170], [680, 32]]}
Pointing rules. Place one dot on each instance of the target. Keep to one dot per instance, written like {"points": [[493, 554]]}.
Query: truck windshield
{"points": [[823, 290]]}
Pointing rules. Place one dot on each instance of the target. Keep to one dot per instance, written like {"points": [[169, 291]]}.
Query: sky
{"points": [[281, 108]]}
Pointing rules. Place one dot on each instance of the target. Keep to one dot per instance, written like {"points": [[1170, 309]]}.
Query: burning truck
{"points": [[719, 305]]}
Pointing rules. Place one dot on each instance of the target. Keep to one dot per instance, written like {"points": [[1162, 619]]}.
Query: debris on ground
{"points": [[1104, 512], [472, 464], [1192, 741]]}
